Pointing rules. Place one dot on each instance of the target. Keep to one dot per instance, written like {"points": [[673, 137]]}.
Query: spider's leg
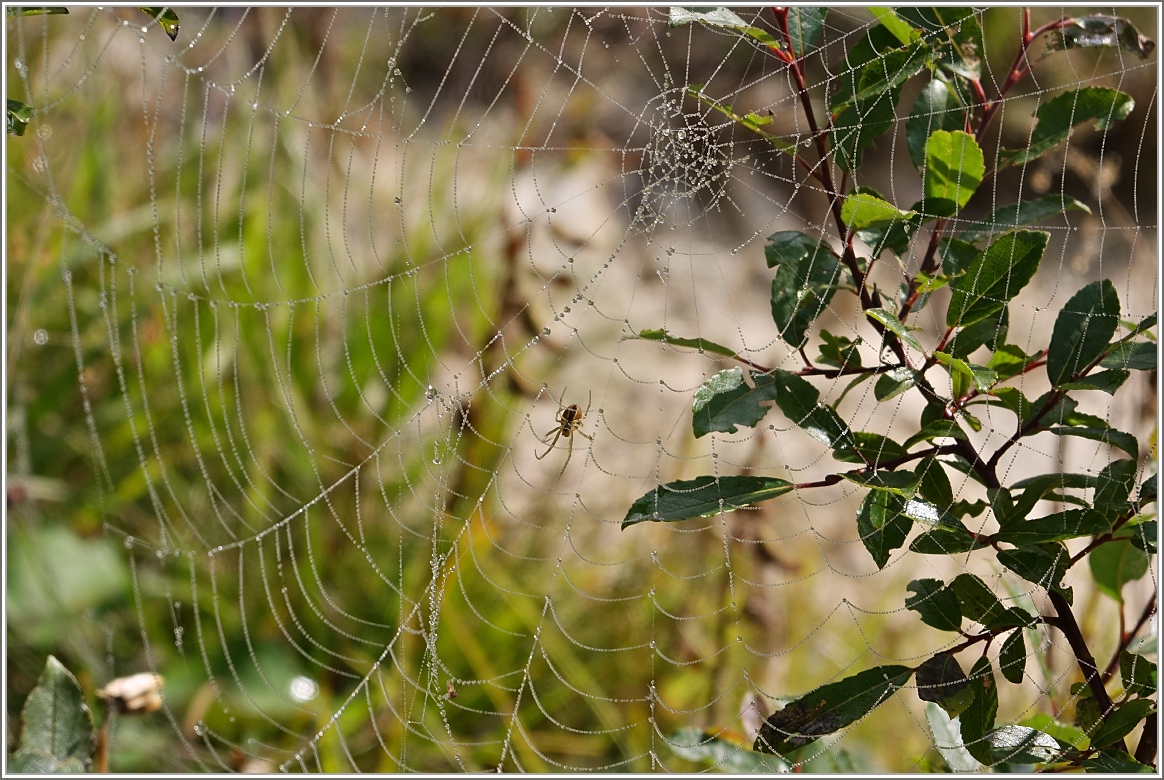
{"points": [[551, 432], [588, 436], [569, 452], [551, 447]]}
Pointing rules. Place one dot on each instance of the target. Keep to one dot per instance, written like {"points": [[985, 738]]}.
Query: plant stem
{"points": [[1065, 622]]}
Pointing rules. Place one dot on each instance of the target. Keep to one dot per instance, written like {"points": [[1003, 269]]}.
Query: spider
{"points": [[569, 422]]}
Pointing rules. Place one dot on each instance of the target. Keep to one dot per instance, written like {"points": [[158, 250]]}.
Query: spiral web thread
{"points": [[331, 276]]}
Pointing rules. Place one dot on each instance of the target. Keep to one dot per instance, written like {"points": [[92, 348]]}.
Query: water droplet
{"points": [[200, 728], [129, 542], [397, 200], [40, 337]]}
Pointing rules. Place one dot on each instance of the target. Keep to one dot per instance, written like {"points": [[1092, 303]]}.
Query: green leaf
{"points": [[1023, 745], [1100, 30], [1044, 564], [719, 17], [1058, 115], [955, 35], [1148, 490], [963, 374], [1082, 330], [1055, 528], [935, 485], [667, 338], [869, 448], [1119, 722], [894, 326], [1116, 762], [988, 332], [797, 399], [978, 719], [894, 382], [829, 708], [1114, 488], [945, 540], [1107, 381], [19, 115], [724, 401], [996, 276], [941, 680], [1115, 564], [863, 209], [954, 166], [956, 256], [804, 28], [938, 607], [695, 744], [12, 12], [881, 524], [1138, 674], [982, 606], [1012, 658], [1138, 355], [1125, 441], [166, 18], [839, 351], [902, 483], [57, 730], [864, 105], [805, 280], [895, 24], [937, 429], [874, 67], [936, 108], [752, 122], [705, 496], [1007, 218]]}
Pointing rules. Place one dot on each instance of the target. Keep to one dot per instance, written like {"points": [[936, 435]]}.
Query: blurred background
{"points": [[292, 299]]}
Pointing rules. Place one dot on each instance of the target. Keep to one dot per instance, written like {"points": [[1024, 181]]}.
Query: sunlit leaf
{"points": [[954, 166], [166, 17], [725, 401], [667, 338]]}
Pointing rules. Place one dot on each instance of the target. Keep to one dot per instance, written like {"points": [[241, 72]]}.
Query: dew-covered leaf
{"points": [[167, 18], [695, 744], [1023, 745], [894, 325], [1101, 30], [798, 400]]}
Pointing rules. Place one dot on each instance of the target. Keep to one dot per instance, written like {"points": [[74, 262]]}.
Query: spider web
{"points": [[327, 278]]}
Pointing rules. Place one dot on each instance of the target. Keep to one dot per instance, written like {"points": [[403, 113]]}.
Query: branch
{"points": [[1065, 622]]}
